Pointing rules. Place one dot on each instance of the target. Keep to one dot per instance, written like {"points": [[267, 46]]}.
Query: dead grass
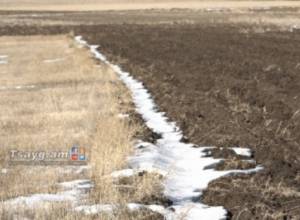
{"points": [[268, 214], [50, 116], [144, 188], [61, 211], [73, 101], [235, 163]]}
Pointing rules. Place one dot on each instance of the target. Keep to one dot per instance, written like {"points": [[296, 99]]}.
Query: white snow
{"points": [[155, 208], [73, 194], [123, 173], [40, 198], [81, 169], [183, 165], [17, 87], [159, 209], [54, 60], [78, 184], [216, 9], [108, 208], [242, 151], [3, 59], [94, 209], [123, 116], [4, 171], [294, 27]]}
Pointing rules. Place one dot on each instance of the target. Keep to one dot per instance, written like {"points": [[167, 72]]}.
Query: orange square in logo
{"points": [[74, 157]]}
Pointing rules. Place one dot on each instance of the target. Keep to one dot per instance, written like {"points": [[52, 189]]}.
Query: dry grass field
{"points": [[39, 110], [54, 95], [100, 5]]}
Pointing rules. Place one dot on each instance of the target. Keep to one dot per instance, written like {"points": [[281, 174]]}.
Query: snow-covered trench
{"points": [[184, 165]]}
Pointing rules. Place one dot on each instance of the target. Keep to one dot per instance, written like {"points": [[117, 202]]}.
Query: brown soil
{"points": [[224, 88], [282, 17]]}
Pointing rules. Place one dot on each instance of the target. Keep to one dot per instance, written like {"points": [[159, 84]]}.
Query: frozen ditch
{"points": [[183, 165]]}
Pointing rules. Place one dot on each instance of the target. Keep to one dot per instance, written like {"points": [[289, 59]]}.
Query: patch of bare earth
{"points": [[225, 88], [261, 18]]}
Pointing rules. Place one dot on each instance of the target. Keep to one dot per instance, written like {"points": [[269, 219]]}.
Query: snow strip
{"points": [[77, 184], [54, 60], [123, 173], [81, 169], [108, 208], [39, 198], [18, 87], [74, 193], [294, 27], [242, 151], [182, 164], [123, 116], [217, 9], [94, 209], [4, 171], [75, 169], [3, 59]]}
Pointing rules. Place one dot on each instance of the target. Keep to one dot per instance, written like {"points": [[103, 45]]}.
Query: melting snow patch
{"points": [[3, 59], [81, 169], [123, 116], [39, 198], [77, 184], [54, 60], [18, 87], [94, 209], [73, 194], [183, 165], [294, 27], [242, 151], [108, 208], [216, 9], [155, 208], [123, 173], [4, 171]]}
